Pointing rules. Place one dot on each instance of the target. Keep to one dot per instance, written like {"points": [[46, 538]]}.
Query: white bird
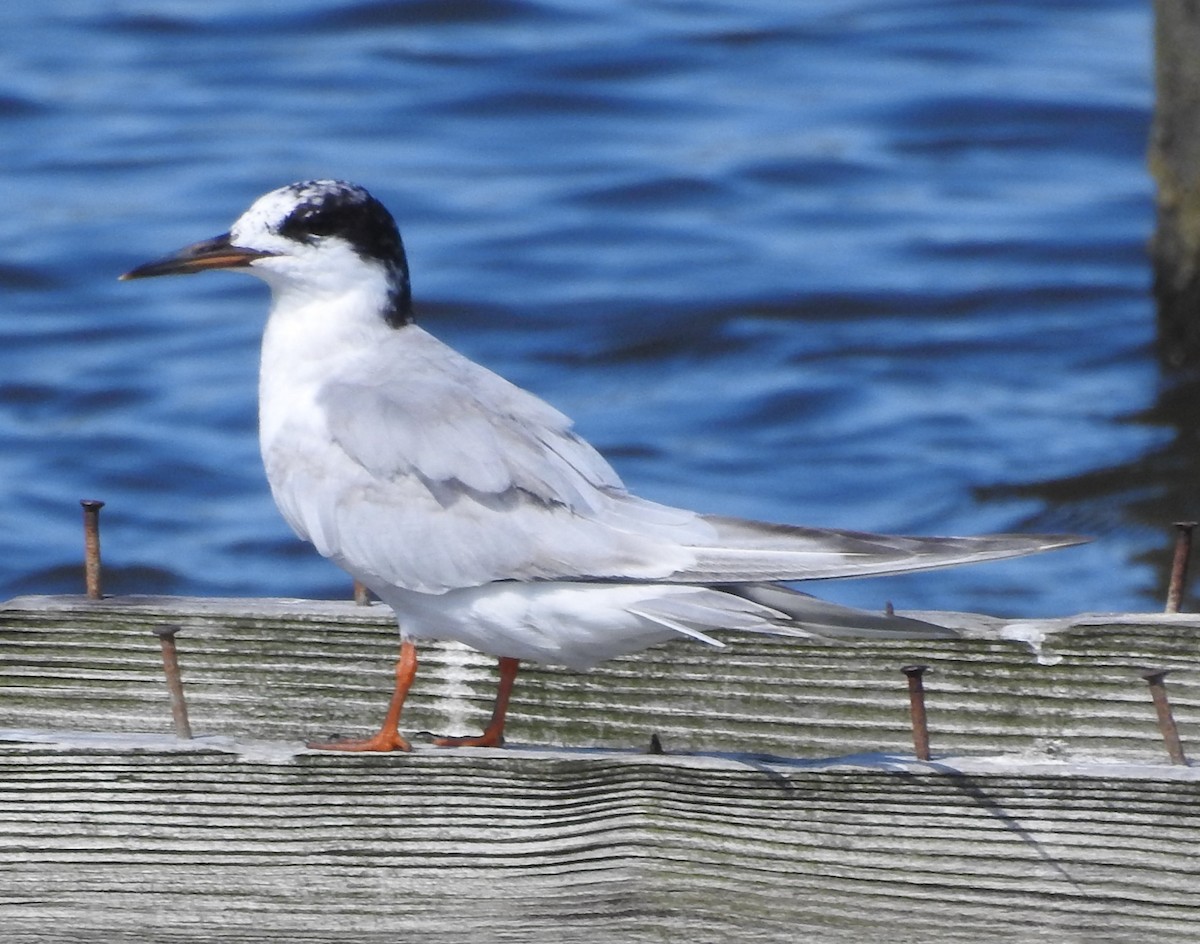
{"points": [[470, 506]]}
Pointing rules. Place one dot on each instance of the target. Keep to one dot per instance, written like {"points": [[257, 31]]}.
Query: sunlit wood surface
{"points": [[788, 805]]}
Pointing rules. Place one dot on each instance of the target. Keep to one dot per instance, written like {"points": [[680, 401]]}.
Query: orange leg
{"points": [[388, 738], [493, 734]]}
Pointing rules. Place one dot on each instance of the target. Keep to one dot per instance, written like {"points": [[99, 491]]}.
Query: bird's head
{"points": [[315, 236]]}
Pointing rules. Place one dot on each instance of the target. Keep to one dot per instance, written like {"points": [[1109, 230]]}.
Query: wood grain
{"points": [[280, 669], [788, 806]]}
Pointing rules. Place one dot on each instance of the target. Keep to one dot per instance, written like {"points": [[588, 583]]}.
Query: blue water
{"points": [[842, 262]]}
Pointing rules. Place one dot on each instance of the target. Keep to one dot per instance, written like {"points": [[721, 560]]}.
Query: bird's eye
{"points": [[305, 224]]}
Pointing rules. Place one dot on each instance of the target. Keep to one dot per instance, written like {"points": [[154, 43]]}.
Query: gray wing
{"points": [[433, 473], [429, 472], [752, 550]]}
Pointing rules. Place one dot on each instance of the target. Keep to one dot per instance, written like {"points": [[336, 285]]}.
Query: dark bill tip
{"points": [[216, 253]]}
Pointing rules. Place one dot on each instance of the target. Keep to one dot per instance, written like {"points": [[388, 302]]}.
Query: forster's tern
{"points": [[469, 505]]}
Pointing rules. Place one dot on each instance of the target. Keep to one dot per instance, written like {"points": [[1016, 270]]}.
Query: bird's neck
{"points": [[309, 343]]}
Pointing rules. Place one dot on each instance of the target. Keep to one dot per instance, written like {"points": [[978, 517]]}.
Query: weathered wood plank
{"points": [[218, 840], [284, 670], [1048, 812]]}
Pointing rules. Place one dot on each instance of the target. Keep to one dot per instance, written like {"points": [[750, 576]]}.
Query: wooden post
{"points": [[1174, 157]]}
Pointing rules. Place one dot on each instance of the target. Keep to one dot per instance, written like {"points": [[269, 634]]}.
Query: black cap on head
{"points": [[345, 210]]}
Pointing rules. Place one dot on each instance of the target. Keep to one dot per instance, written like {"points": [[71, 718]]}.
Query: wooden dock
{"points": [[787, 805]]}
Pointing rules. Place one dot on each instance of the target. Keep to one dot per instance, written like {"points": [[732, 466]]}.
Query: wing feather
{"points": [[752, 550], [430, 473]]}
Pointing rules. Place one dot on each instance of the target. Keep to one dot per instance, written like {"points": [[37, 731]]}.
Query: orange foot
{"points": [[383, 741], [487, 739], [388, 738], [493, 734]]}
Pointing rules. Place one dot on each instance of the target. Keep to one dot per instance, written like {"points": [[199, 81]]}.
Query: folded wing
{"points": [[432, 473], [753, 550]]}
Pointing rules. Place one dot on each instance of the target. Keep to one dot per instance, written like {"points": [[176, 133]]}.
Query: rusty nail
{"points": [[916, 700], [1179, 565], [91, 547], [1166, 720], [362, 596], [166, 635]]}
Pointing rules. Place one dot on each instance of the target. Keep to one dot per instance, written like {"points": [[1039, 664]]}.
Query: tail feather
{"points": [[777, 611], [832, 621]]}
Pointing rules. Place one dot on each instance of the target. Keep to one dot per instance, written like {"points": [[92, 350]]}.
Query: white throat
{"points": [[322, 318]]}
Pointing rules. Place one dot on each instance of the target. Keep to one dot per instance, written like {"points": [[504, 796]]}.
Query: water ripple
{"points": [[840, 262]]}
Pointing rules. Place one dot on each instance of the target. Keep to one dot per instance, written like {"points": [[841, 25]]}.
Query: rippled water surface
{"points": [[844, 262]]}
